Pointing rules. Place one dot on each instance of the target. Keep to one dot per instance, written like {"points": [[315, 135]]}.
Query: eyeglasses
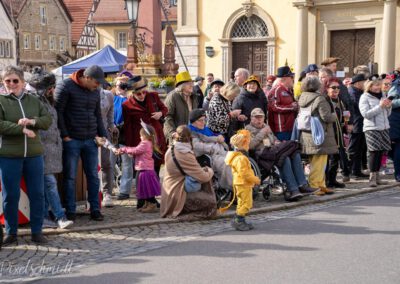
{"points": [[387, 84], [335, 87], [8, 81], [139, 94]]}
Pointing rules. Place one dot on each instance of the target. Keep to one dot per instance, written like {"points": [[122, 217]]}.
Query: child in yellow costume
{"points": [[243, 179]]}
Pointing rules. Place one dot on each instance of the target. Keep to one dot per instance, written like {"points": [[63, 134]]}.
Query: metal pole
{"points": [[176, 42]]}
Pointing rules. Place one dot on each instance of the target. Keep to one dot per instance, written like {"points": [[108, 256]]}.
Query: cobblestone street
{"points": [[69, 251]]}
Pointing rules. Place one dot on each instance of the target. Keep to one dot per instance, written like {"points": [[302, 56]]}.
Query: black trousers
{"points": [[357, 149], [334, 161], [374, 162]]}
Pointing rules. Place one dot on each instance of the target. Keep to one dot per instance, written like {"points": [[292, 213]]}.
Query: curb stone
{"points": [[283, 206]]}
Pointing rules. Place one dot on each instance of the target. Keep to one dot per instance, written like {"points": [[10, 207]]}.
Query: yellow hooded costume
{"points": [[243, 175]]}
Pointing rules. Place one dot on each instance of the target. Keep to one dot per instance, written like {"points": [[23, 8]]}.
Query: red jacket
{"points": [[132, 112], [281, 113]]}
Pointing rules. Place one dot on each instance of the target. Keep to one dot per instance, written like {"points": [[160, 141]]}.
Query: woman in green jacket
{"points": [[21, 152]]}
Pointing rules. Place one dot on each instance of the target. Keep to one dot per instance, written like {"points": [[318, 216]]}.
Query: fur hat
{"points": [[42, 80], [241, 140]]}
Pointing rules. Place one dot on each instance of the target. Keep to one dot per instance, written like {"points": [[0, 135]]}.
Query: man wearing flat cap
{"points": [[331, 63], [80, 122], [282, 108], [357, 147]]}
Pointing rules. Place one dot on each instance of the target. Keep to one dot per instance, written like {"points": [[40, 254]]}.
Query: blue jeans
{"points": [[52, 199], [292, 173], [86, 150], [283, 136], [11, 172], [127, 172]]}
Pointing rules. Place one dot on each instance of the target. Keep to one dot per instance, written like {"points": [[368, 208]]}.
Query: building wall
{"points": [[215, 16], [58, 25], [107, 34], [7, 34]]}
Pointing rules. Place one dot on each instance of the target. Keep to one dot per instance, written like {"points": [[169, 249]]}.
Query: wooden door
{"points": [[354, 47], [252, 56]]}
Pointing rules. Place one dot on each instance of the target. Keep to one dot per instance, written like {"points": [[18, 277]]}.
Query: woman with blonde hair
{"points": [[220, 113], [375, 107]]}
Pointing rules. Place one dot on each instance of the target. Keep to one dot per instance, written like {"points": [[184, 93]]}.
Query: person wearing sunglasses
{"points": [[22, 115], [144, 106], [340, 127]]}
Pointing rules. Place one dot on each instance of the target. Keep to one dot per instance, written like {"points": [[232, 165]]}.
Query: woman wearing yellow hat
{"points": [[179, 103]]}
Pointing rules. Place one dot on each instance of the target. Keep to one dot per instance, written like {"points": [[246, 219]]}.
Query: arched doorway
{"points": [[248, 41], [249, 47]]}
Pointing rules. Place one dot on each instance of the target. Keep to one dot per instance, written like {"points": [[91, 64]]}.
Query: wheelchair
{"points": [[271, 182]]}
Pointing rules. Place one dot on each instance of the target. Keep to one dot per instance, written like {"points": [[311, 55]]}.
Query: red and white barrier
{"points": [[23, 206]]}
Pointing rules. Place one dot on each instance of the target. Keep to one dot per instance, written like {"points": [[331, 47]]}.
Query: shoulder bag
{"points": [[191, 184]]}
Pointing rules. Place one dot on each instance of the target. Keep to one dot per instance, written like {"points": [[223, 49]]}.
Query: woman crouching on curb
{"points": [[243, 179]]}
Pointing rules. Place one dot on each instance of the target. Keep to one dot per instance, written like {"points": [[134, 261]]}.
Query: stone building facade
{"points": [[7, 39], [44, 32], [261, 35]]}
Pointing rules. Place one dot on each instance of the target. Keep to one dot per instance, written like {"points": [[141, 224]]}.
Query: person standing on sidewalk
{"points": [[80, 122], [375, 107], [107, 169], [22, 115], [357, 145], [44, 84]]}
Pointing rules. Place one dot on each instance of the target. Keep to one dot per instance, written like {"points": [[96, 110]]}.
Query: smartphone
{"points": [[391, 98]]}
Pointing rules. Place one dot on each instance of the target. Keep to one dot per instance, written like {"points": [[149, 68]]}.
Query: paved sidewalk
{"points": [[124, 213]]}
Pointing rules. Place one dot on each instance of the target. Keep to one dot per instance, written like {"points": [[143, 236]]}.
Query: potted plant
{"points": [[162, 84]]}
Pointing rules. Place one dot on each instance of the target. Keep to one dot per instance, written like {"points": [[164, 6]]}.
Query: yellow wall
{"points": [[107, 34], [211, 29]]}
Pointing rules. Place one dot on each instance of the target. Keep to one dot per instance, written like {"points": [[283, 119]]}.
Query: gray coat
{"points": [[178, 112], [51, 141], [205, 145], [322, 109], [375, 117], [107, 109]]}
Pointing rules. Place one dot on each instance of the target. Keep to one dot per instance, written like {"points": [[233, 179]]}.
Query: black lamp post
{"points": [[132, 7]]}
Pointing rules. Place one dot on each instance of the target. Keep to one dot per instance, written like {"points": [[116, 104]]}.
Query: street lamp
{"points": [[132, 7]]}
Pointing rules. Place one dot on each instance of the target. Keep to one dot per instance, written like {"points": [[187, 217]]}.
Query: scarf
{"points": [[376, 95], [205, 131]]}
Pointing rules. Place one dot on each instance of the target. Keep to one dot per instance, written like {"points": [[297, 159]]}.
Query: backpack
{"points": [[304, 118]]}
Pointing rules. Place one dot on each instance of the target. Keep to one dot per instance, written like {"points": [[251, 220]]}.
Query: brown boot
{"points": [[150, 208], [379, 180], [372, 179], [327, 190], [143, 207]]}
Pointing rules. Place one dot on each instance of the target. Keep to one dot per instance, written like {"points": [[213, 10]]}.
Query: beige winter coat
{"points": [[173, 195]]}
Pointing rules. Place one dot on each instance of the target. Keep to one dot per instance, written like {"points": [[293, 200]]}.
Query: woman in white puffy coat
{"points": [[375, 107]]}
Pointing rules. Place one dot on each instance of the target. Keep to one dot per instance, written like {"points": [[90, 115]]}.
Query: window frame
{"points": [[43, 15], [27, 41], [118, 45], [52, 42], [62, 41], [38, 40]]}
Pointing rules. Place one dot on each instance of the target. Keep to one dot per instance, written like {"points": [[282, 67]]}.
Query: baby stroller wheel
{"points": [[256, 191], [266, 192]]}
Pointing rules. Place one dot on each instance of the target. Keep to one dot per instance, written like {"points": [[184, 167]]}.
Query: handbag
{"points": [[191, 184], [156, 108]]}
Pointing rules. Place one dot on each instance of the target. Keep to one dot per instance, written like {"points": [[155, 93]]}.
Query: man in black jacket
{"points": [[357, 146], [80, 122]]}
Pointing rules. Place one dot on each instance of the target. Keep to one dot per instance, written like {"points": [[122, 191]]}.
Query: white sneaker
{"points": [[64, 223], [107, 201]]}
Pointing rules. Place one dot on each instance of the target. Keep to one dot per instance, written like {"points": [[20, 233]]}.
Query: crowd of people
{"points": [[320, 120]]}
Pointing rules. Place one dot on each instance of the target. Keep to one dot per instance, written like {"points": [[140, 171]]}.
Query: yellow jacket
{"points": [[241, 169], [297, 90]]}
